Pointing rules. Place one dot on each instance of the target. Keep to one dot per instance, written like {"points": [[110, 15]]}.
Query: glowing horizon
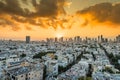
{"points": [[43, 19]]}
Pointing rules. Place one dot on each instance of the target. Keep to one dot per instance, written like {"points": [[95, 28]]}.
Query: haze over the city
{"points": [[59, 18]]}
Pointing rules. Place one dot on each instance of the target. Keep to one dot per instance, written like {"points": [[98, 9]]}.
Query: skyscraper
{"points": [[56, 39], [27, 39], [118, 38], [77, 39], [61, 39], [100, 38]]}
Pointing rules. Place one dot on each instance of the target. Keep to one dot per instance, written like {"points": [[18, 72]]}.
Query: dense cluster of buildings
{"points": [[86, 39], [60, 59]]}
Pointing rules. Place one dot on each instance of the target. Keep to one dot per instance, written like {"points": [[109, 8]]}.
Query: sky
{"points": [[42, 19]]}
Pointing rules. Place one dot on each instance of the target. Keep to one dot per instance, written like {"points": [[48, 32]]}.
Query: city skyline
{"points": [[60, 38], [43, 19]]}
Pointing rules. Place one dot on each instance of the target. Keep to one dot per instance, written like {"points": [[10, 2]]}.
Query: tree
{"points": [[88, 78], [110, 55], [81, 78], [23, 55], [107, 69], [93, 56], [89, 74], [60, 69], [55, 57], [39, 55], [114, 59], [118, 56], [44, 73]]}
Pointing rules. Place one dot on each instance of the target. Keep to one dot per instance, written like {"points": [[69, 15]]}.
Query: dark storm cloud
{"points": [[25, 2], [11, 7], [45, 8], [103, 12], [49, 9], [34, 3]]}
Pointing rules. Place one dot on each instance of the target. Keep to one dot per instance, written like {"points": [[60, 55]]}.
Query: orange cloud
{"points": [[101, 14], [47, 13], [51, 13]]}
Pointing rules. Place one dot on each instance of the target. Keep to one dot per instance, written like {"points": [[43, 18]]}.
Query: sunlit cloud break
{"points": [[43, 13], [51, 13]]}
